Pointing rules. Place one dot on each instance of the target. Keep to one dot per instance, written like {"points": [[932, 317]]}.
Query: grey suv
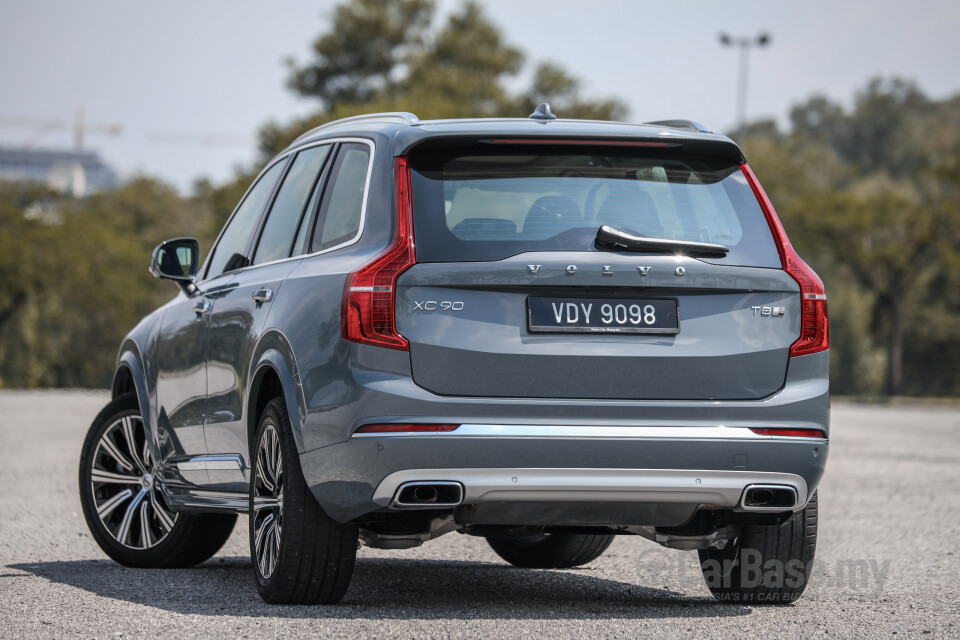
{"points": [[543, 332]]}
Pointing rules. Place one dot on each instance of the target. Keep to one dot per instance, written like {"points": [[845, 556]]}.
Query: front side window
{"points": [[290, 205], [342, 210], [231, 251]]}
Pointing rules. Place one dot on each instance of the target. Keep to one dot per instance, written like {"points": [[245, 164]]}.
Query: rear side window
{"points": [[488, 206], [290, 205], [341, 212], [231, 251]]}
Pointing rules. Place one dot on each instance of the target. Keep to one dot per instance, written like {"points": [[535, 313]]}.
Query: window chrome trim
{"points": [[587, 431], [282, 157]]}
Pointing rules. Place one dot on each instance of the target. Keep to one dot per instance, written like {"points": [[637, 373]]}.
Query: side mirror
{"points": [[177, 260]]}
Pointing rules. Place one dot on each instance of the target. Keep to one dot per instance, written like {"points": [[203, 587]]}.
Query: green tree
{"points": [[75, 273], [356, 61], [383, 56], [870, 197]]}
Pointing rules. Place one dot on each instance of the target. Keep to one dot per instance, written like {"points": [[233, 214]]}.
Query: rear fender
{"points": [[275, 354]]}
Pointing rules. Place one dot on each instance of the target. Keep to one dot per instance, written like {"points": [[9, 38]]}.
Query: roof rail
{"points": [[399, 117], [689, 125]]}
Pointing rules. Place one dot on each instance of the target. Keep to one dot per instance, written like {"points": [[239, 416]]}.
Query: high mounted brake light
{"points": [[585, 142], [814, 324], [368, 314]]}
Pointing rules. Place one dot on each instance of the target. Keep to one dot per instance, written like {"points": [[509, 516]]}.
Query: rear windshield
{"points": [[481, 206]]}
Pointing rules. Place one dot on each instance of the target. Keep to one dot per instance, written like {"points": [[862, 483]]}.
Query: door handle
{"points": [[201, 307], [262, 295]]}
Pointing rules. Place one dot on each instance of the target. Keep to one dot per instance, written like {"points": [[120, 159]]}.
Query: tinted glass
{"points": [[290, 204], [305, 221], [342, 209], [489, 207], [230, 252]]}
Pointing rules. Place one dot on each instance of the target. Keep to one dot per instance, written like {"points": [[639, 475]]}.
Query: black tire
{"points": [[765, 564], [314, 554], [170, 539], [551, 550]]}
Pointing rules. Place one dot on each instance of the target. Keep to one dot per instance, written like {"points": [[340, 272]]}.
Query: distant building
{"points": [[76, 172]]}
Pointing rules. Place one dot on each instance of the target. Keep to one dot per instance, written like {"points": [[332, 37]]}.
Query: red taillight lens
{"points": [[406, 428], [367, 315], [814, 325], [793, 433]]}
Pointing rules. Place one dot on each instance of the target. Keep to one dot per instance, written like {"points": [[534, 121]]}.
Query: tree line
{"points": [[870, 196]]}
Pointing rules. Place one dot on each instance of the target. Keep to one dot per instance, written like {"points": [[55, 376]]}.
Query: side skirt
{"points": [[184, 499]]}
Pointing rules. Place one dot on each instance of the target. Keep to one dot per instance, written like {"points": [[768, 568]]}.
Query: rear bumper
{"points": [[362, 475], [649, 462]]}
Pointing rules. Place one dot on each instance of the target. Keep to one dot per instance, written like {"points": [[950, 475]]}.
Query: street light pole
{"points": [[744, 45]]}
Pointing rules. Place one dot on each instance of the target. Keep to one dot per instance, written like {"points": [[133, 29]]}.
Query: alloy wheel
{"points": [[126, 486], [268, 501]]}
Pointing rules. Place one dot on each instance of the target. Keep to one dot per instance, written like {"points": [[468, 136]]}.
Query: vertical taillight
{"points": [[813, 321], [367, 315]]}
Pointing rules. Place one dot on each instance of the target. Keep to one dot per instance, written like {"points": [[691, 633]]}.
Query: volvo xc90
{"points": [[539, 331]]}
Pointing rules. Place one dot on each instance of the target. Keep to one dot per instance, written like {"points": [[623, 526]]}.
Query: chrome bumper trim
{"points": [[588, 431], [714, 488]]}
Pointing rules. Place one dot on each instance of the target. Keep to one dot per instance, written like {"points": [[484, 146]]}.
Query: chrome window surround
{"points": [[282, 158]]}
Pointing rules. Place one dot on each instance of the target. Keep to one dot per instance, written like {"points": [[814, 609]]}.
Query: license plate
{"points": [[602, 315]]}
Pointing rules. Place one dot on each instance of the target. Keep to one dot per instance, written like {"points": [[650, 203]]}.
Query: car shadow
{"points": [[386, 589]]}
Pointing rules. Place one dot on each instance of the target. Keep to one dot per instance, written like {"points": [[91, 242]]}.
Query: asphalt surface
{"points": [[887, 558]]}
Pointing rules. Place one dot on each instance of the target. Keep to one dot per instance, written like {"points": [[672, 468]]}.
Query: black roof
{"points": [[408, 132]]}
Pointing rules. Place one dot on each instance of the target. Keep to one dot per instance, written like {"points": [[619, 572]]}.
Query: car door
{"points": [[182, 349], [182, 378], [241, 314]]}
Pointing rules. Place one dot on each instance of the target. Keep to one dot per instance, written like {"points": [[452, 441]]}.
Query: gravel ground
{"points": [[886, 559]]}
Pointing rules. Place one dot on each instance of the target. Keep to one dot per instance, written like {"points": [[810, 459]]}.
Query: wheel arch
{"points": [[274, 376], [129, 377]]}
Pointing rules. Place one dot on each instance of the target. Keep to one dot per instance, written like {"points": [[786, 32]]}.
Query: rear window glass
{"points": [[486, 206], [342, 211]]}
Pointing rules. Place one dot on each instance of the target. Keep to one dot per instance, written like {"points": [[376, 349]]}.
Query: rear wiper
{"points": [[617, 238]]}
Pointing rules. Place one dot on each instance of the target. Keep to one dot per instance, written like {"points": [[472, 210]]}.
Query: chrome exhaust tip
{"points": [[440, 494], [768, 497]]}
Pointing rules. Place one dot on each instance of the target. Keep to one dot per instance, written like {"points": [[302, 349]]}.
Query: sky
{"points": [[190, 82]]}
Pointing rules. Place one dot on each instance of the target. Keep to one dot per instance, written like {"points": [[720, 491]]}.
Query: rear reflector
{"points": [[814, 325], [790, 433], [367, 315], [406, 428]]}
